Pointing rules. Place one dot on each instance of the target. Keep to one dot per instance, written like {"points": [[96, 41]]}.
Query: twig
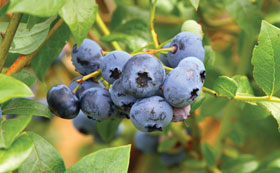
{"points": [[9, 36]]}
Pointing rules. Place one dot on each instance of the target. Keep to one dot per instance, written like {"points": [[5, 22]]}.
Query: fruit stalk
{"points": [[152, 29], [25, 59], [106, 31], [7, 40]]}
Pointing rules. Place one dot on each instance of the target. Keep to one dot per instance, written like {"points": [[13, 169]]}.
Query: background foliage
{"points": [[234, 122]]}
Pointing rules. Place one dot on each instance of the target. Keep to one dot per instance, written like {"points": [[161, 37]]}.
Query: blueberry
{"points": [[163, 57], [182, 86], [96, 103], [143, 75], [62, 102], [195, 63], [84, 86], [146, 143], [87, 58], [120, 97], [186, 44], [112, 65], [84, 125], [192, 26], [172, 159], [180, 114], [151, 114]]}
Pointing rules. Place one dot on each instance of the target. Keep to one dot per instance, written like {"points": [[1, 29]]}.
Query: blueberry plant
{"points": [[163, 85]]}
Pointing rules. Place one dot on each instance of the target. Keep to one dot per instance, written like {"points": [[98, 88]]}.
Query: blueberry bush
{"points": [[140, 86]]}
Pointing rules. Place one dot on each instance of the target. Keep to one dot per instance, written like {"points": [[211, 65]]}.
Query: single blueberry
{"points": [[96, 103], [151, 114], [143, 75], [173, 159], [62, 102], [87, 58], [181, 86], [120, 97], [112, 65], [146, 143], [84, 125], [186, 44], [196, 64]]}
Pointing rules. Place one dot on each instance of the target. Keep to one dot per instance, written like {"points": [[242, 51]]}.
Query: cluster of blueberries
{"points": [[140, 89], [135, 87]]}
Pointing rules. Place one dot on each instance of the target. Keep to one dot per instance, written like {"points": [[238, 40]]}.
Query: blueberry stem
{"points": [[91, 75], [164, 43], [106, 31], [152, 17], [243, 98], [77, 87], [141, 48], [153, 51], [9, 36], [23, 60]]}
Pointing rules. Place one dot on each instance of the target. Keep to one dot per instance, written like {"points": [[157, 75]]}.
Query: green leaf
{"points": [[131, 41], [210, 57], [107, 129], [195, 3], [272, 160], [42, 8], [241, 164], [13, 157], [273, 108], [166, 144], [4, 9], [225, 86], [43, 158], [10, 129], [27, 41], [25, 77], [244, 88], [197, 102], [125, 13], [79, 16], [50, 51], [246, 14], [23, 106], [11, 87], [113, 160], [266, 59], [208, 154]]}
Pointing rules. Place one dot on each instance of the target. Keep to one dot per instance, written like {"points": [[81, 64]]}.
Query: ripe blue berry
{"points": [[96, 103], [62, 102], [151, 114], [186, 44], [112, 65], [142, 75], [172, 159], [196, 64], [84, 125], [146, 143], [84, 86], [120, 97], [87, 58], [182, 86], [164, 57]]}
